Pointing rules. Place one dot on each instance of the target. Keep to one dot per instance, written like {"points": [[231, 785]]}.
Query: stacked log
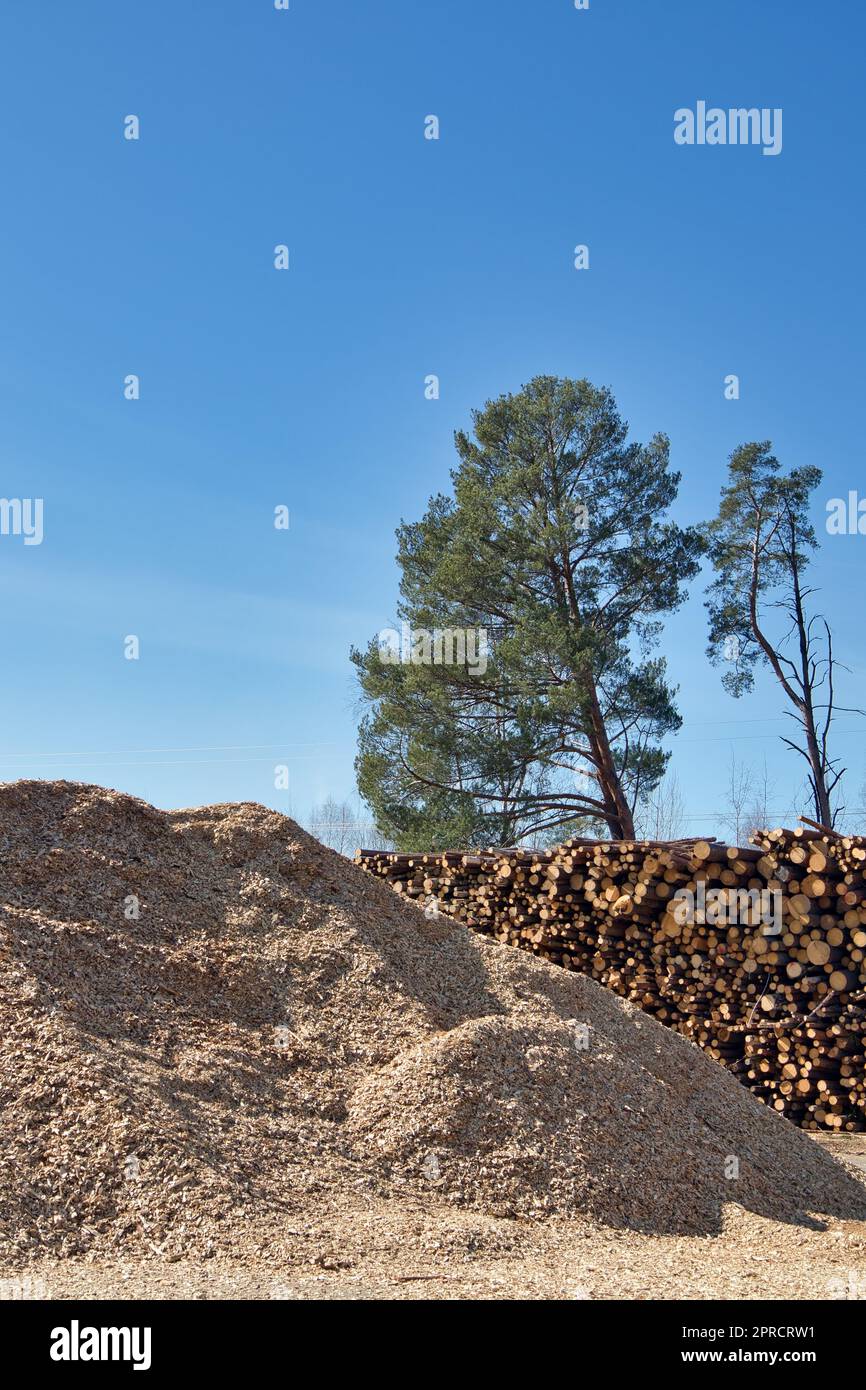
{"points": [[758, 953]]}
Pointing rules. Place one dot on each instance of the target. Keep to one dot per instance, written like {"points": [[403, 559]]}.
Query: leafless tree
{"points": [[759, 812], [343, 828], [662, 816], [734, 815], [760, 545]]}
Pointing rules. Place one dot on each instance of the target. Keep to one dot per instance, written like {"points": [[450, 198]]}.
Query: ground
{"points": [[406, 1250]]}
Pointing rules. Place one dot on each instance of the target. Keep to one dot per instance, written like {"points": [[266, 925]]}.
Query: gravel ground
{"points": [[404, 1251]]}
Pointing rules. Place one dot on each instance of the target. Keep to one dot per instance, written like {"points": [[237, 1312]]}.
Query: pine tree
{"points": [[557, 547]]}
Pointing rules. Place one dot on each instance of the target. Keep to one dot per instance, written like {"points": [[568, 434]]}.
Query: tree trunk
{"points": [[820, 795], [820, 792], [618, 812]]}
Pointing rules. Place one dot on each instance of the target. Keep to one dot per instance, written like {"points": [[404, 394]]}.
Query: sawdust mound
{"points": [[212, 1024]]}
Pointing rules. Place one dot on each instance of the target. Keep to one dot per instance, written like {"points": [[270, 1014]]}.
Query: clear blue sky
{"points": [[408, 257]]}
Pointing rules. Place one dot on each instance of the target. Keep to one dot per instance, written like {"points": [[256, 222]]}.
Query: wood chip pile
{"points": [[220, 1038], [757, 954]]}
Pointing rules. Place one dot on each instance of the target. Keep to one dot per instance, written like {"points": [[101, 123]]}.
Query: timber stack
{"points": [[758, 954]]}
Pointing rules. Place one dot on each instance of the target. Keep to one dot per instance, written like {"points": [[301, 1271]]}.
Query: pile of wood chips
{"points": [[221, 1037]]}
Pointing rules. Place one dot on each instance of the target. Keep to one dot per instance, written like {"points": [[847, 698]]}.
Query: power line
{"points": [[208, 748], [180, 762], [12, 759], [744, 738]]}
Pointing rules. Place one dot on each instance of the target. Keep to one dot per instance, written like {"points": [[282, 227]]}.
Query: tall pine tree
{"points": [[557, 545]]}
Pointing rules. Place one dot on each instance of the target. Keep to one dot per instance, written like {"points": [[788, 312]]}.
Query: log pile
{"points": [[758, 954]]}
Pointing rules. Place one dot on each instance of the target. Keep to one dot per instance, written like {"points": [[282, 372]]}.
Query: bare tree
{"points": [[662, 815], [760, 543], [333, 822], [344, 829], [734, 816], [855, 821], [759, 814]]}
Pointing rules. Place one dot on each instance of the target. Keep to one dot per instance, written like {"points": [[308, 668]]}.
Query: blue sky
{"points": [[408, 257]]}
